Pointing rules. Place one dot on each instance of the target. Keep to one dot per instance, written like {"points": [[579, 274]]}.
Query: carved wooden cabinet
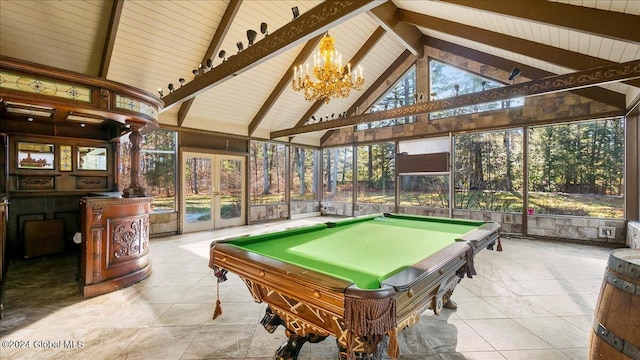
{"points": [[115, 243]]}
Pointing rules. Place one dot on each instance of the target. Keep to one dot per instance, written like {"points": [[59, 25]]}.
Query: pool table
{"points": [[359, 279]]}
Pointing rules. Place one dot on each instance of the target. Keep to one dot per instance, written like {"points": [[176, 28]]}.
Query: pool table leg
{"points": [[291, 349], [358, 355]]}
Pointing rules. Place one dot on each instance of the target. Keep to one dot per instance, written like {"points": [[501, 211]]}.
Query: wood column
{"points": [[135, 189]]}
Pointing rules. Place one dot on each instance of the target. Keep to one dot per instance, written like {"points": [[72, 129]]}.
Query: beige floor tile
{"points": [[470, 308], [220, 342], [556, 331], [545, 354], [468, 340], [516, 306], [182, 314], [564, 305], [506, 334]]}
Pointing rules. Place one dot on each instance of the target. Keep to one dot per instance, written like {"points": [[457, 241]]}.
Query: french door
{"points": [[213, 191]]}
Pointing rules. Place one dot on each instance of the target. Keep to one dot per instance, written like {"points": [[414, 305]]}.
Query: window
{"points": [[338, 173], [376, 172], [267, 175], [158, 166], [577, 169], [403, 93], [304, 170], [449, 81], [488, 171], [430, 191]]}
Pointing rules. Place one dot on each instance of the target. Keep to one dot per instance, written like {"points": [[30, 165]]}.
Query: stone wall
{"points": [[417, 210], [511, 223], [260, 213], [577, 228], [366, 209], [336, 208], [163, 223], [304, 207], [633, 234]]}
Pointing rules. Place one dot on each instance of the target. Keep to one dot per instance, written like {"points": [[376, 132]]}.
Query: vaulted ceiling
{"points": [[151, 43]]}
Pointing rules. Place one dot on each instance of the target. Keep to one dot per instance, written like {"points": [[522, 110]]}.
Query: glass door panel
{"points": [[197, 193], [213, 191], [229, 199]]}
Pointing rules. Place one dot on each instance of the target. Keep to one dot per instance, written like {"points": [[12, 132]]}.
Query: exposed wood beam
{"points": [[610, 24], [602, 95], [312, 23], [554, 55], [411, 37], [552, 84], [355, 60], [214, 46], [284, 82], [402, 63], [112, 31]]}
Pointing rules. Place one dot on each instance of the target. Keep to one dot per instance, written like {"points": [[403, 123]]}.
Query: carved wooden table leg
{"points": [[291, 349], [358, 354]]}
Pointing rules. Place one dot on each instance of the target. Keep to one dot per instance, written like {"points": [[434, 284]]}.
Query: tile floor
{"points": [[535, 300]]}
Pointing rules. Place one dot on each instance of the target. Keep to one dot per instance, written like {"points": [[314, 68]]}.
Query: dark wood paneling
{"points": [[438, 162]]}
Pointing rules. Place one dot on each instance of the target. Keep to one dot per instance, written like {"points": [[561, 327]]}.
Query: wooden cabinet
{"points": [[115, 243], [3, 245]]}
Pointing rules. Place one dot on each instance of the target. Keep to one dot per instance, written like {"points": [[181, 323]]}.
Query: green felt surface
{"points": [[363, 252]]}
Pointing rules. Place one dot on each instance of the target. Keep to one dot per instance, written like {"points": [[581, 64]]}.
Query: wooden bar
{"points": [[115, 243]]}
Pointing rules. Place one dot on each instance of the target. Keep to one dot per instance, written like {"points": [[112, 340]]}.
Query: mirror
{"points": [[92, 158], [35, 156]]}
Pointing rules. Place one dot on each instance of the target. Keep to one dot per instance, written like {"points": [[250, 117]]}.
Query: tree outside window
{"points": [[267, 173], [449, 81], [304, 170], [577, 169], [376, 172], [338, 174], [158, 166], [488, 171], [402, 94]]}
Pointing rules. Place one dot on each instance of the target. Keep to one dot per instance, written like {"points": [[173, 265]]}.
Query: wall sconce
{"points": [[240, 46], [161, 92], [295, 12], [181, 81]]}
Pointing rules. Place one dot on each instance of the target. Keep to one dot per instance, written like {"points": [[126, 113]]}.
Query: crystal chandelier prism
{"points": [[333, 80]]}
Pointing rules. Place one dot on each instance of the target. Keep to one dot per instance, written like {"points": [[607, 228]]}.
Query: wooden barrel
{"points": [[616, 322]]}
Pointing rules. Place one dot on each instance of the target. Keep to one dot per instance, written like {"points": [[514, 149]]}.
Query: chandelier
{"points": [[333, 80]]}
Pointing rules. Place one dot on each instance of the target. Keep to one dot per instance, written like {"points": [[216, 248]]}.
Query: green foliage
{"points": [[586, 157], [376, 171]]}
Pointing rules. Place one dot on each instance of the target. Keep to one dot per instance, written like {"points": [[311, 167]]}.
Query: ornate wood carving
{"points": [[96, 237], [36, 183], [135, 189], [577, 80], [128, 238], [91, 182]]}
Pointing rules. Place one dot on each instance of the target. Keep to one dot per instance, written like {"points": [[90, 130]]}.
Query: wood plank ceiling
{"points": [[151, 43]]}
